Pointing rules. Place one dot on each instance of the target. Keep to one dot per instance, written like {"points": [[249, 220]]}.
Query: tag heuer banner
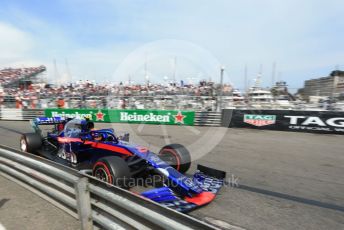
{"points": [[259, 119], [286, 120], [168, 117]]}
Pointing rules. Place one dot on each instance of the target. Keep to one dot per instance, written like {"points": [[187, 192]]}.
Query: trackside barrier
{"points": [[326, 122], [11, 114], [208, 118], [200, 118], [29, 114], [94, 203]]}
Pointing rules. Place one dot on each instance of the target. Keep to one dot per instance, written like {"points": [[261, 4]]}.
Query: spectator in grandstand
{"points": [[60, 103]]}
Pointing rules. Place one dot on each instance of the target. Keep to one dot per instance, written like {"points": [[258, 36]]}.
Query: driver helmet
{"points": [[89, 125]]}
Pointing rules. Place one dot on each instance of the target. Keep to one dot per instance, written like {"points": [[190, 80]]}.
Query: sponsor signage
{"points": [[92, 114], [288, 120], [259, 119], [316, 123], [168, 117]]}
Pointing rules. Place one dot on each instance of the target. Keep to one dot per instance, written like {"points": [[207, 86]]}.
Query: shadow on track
{"points": [[292, 198], [3, 201]]}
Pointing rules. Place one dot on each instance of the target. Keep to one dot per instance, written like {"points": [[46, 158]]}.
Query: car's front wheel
{"points": [[113, 170], [177, 156]]}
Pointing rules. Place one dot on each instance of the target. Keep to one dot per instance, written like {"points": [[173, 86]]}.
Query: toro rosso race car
{"points": [[110, 158]]}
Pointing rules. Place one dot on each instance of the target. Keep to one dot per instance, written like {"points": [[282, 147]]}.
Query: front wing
{"points": [[210, 180]]}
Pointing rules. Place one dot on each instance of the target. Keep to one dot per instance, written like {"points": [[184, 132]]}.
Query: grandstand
{"points": [[14, 83], [19, 77], [23, 88]]}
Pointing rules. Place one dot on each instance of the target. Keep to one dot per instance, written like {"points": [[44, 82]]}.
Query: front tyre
{"points": [[113, 170], [30, 142], [177, 156]]}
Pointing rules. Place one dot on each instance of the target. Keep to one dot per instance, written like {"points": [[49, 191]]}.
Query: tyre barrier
{"points": [[94, 203]]}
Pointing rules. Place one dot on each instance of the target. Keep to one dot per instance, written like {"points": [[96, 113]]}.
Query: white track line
{"points": [[2, 227], [222, 224]]}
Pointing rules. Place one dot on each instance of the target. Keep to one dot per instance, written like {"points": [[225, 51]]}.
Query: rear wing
{"points": [[35, 123], [48, 120]]}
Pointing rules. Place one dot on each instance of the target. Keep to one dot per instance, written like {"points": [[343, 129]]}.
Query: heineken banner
{"points": [[288, 120], [167, 117]]}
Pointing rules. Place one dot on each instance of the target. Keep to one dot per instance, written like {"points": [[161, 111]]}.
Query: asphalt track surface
{"points": [[276, 180]]}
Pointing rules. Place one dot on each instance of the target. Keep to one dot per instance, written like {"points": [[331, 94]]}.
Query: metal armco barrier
{"points": [[11, 114], [20, 114], [208, 118], [29, 114], [93, 202]]}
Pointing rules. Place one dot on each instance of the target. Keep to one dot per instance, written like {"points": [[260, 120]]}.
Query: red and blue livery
{"points": [[112, 159]]}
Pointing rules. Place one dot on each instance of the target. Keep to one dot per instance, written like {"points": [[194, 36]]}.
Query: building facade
{"points": [[330, 86]]}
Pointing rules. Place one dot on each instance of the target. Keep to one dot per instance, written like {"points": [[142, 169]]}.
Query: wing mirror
{"points": [[124, 137]]}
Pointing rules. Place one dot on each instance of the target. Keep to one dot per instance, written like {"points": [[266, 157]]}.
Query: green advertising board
{"points": [[168, 117]]}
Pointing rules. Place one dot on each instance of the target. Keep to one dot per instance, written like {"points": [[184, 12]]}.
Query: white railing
{"points": [[95, 203]]}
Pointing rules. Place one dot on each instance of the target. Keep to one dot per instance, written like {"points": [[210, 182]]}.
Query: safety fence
{"points": [[94, 203]]}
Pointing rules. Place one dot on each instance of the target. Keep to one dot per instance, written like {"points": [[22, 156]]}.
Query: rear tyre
{"points": [[113, 170], [30, 142], [177, 156]]}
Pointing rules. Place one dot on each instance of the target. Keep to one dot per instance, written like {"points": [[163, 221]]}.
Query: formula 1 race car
{"points": [[110, 158]]}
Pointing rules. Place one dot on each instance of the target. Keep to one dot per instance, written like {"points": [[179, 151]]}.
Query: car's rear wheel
{"points": [[30, 142], [177, 156], [113, 170]]}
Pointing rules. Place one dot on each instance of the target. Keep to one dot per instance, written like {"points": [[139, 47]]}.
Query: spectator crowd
{"points": [[9, 76], [20, 88]]}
